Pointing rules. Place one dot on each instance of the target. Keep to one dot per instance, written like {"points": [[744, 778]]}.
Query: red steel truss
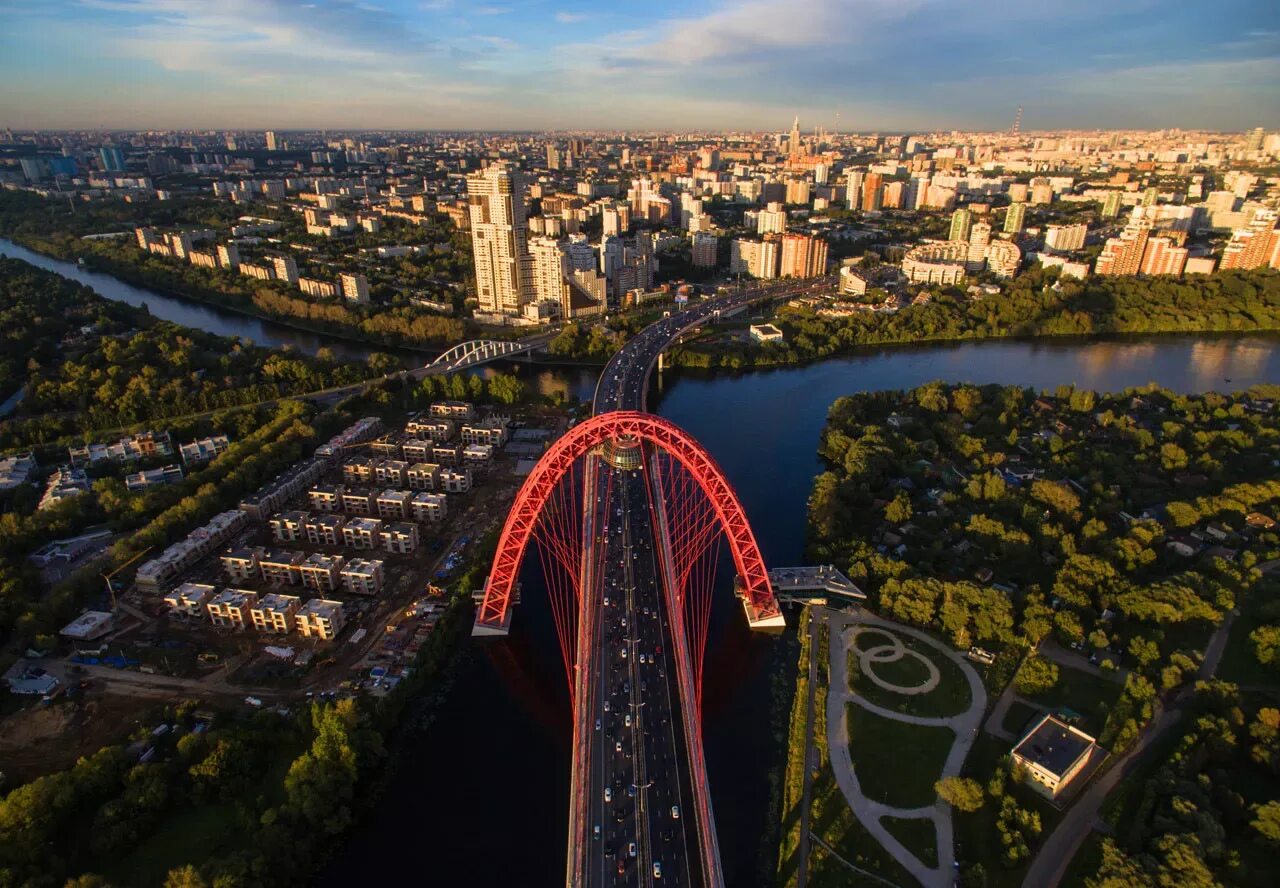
{"points": [[539, 492]]}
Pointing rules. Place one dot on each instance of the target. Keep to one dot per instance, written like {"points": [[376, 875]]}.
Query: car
{"points": [[596, 831], [597, 724], [631, 849], [606, 705], [617, 746], [624, 653], [606, 601], [657, 870], [627, 720], [608, 794], [675, 812], [622, 866]]}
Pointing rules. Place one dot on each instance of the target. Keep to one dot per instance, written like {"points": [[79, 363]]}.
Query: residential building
{"points": [[550, 264], [320, 618], [228, 256], [427, 506], [280, 567], [1066, 238], [390, 471], [936, 263], [1111, 205], [423, 476], [323, 530], [960, 221], [456, 410], [491, 431], [320, 572], [455, 480], [230, 608], [317, 288], [286, 268], [203, 450], [803, 256], [1254, 246], [358, 502], [704, 249], [363, 577], [1003, 257], [499, 238], [288, 527], [393, 503], [1015, 218], [1123, 255], [358, 470], [477, 453], [400, 537], [241, 565], [166, 566], [273, 613], [773, 218], [190, 599], [171, 474], [872, 192], [362, 533], [1161, 256], [1052, 754], [355, 288]]}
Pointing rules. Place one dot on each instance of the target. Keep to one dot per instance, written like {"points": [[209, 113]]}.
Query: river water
{"points": [[478, 792]]}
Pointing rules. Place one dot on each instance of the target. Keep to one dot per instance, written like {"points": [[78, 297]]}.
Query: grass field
{"points": [[1090, 695], [1019, 717], [897, 763], [950, 697], [917, 835], [194, 833]]}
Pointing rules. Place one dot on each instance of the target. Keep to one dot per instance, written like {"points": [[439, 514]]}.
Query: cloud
{"points": [[568, 18]]}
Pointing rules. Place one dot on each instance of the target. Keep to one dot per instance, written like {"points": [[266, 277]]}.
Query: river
{"points": [[478, 793]]}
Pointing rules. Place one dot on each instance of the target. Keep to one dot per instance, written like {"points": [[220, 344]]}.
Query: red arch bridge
{"points": [[629, 515]]}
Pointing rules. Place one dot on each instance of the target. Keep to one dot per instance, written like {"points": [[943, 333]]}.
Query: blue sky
{"points": [[727, 64]]}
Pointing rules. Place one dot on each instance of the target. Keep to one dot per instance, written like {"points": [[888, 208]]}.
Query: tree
{"points": [[185, 877], [1266, 644], [898, 511], [1036, 676], [961, 793], [1266, 821]]}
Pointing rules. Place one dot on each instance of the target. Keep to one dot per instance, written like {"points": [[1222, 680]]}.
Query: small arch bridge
{"points": [[480, 351]]}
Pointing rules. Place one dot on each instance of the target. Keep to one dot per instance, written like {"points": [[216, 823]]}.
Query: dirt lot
{"points": [[43, 739]]}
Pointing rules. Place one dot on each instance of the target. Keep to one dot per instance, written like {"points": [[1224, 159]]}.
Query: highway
{"points": [[643, 812]]}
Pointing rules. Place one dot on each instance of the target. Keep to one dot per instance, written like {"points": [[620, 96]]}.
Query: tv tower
{"points": [[1017, 122]]}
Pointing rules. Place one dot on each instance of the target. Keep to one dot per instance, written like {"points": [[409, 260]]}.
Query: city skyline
{"points": [[878, 65]]}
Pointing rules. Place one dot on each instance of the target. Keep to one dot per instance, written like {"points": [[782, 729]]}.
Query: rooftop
{"points": [[1054, 745]]}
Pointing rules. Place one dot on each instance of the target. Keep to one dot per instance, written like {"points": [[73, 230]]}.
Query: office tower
{"points": [[1111, 205], [704, 249], [272, 145], [1066, 237], [960, 222], [553, 157], [355, 288], [1255, 246], [803, 256], [853, 189], [872, 195], [112, 159], [1014, 218], [1255, 139], [499, 238], [550, 269], [793, 142]]}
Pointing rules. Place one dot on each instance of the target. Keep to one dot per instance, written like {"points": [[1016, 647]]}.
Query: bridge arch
{"points": [[477, 351], [576, 443]]}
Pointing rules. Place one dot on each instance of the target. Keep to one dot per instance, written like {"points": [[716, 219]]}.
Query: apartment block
{"points": [[361, 577], [190, 599], [458, 410], [435, 429], [358, 470], [326, 497], [358, 502], [393, 504], [320, 618], [492, 432], [400, 537], [273, 613], [288, 527], [386, 447], [429, 506], [280, 567], [391, 471], [455, 480], [321, 572], [274, 495], [323, 530], [230, 608], [166, 566], [241, 565], [362, 533], [417, 450], [423, 476]]}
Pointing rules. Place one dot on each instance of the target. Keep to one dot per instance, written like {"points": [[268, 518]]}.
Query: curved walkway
{"points": [[845, 627]]}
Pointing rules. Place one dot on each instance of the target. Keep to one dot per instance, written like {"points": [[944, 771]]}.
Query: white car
{"points": [[657, 870], [608, 794], [675, 812], [628, 720]]}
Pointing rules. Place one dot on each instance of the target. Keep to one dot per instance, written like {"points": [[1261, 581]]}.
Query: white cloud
{"points": [[568, 18]]}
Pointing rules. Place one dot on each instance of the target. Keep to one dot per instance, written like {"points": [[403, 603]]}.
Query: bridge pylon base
{"points": [[763, 621], [493, 629]]}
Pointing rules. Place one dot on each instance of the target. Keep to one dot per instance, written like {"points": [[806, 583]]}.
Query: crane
{"points": [[111, 589]]}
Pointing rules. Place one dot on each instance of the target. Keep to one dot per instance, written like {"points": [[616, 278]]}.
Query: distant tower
{"points": [[1017, 122], [794, 145]]}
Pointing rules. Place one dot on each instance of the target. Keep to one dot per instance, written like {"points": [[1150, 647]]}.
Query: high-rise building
{"points": [[872, 192], [960, 221], [1255, 246], [553, 157], [355, 288], [853, 189], [798, 191], [1042, 194], [1161, 256], [793, 141], [1003, 257], [272, 144], [894, 194], [1066, 237], [1254, 140], [1111, 205], [1123, 255], [286, 268], [1015, 218], [550, 269], [704, 249], [803, 256], [499, 238], [772, 218]]}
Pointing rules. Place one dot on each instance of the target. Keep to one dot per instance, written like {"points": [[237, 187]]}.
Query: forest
{"points": [[89, 364]]}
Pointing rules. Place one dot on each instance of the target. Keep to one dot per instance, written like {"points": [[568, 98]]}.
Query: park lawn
{"points": [[917, 834], [1088, 694], [1019, 717], [950, 697], [193, 833], [895, 762], [833, 820], [1085, 863]]}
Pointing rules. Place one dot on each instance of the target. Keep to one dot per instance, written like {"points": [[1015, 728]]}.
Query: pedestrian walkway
{"points": [[846, 626]]}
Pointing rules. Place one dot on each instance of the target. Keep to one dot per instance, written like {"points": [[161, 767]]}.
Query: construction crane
{"points": [[111, 588]]}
